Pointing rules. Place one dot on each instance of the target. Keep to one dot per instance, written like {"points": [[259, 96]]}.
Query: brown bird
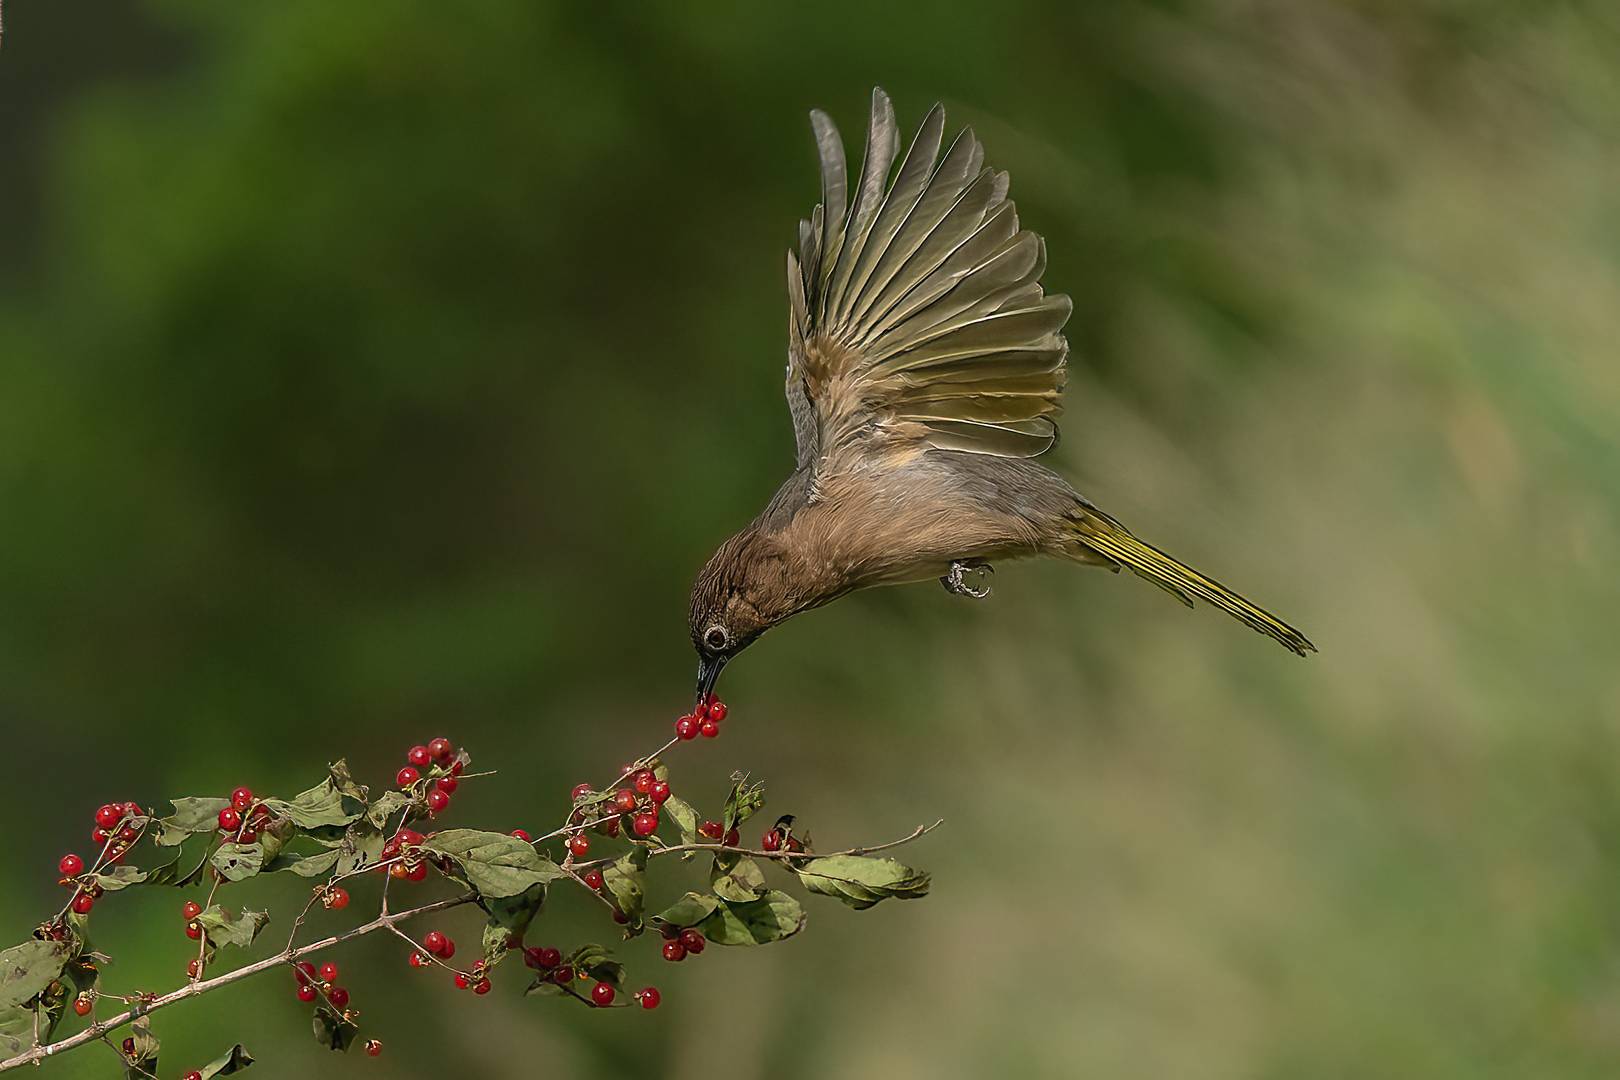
{"points": [[924, 369]]}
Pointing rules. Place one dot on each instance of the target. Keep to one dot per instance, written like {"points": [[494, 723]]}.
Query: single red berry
{"points": [[461, 981], [547, 957], [449, 949], [644, 824], [434, 942], [418, 756], [624, 800], [248, 836], [711, 829], [193, 968], [660, 792], [592, 879], [649, 997], [440, 749], [708, 729], [242, 799], [338, 996], [399, 871], [563, 974], [437, 801], [127, 834], [192, 1075], [409, 837], [717, 711], [732, 838], [99, 837], [771, 840], [194, 930], [108, 815], [693, 941], [457, 766], [602, 994], [447, 784], [229, 819], [71, 866], [129, 1046], [83, 902], [523, 835], [579, 792], [82, 1005], [308, 993], [304, 972], [674, 951], [794, 845], [608, 827], [416, 872], [687, 727], [373, 1047], [578, 845], [419, 960], [481, 986], [642, 781], [406, 777], [337, 898], [259, 814], [391, 850], [329, 972], [132, 809]]}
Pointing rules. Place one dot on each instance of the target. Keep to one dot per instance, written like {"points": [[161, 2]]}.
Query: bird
{"points": [[925, 366]]}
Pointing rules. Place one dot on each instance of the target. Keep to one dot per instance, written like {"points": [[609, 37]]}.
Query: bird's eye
{"points": [[715, 638]]}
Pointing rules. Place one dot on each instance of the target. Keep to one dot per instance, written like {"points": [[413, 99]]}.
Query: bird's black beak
{"points": [[708, 671]]}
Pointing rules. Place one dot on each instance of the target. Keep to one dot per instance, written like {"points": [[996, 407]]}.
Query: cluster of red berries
{"points": [[114, 832], [244, 817], [703, 720], [399, 857], [549, 962], [679, 944], [438, 752], [716, 831], [319, 982], [638, 805]]}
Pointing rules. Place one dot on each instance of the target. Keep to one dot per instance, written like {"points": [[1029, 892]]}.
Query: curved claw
{"points": [[955, 581]]}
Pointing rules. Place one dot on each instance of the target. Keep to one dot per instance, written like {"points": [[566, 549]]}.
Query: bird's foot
{"points": [[956, 582]]}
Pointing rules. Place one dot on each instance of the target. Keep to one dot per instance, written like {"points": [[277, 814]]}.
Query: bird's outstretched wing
{"points": [[917, 319]]}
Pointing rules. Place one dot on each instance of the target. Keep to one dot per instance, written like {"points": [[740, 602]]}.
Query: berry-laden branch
{"points": [[338, 833]]}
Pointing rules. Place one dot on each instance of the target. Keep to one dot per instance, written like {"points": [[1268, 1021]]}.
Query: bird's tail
{"points": [[1111, 540]]}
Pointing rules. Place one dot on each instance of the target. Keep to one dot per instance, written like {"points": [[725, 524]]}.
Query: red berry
{"points": [[711, 829], [546, 958], [440, 749], [449, 949], [602, 994], [242, 799], [437, 801], [732, 838], [419, 960], [687, 727], [229, 819], [304, 972], [108, 815], [708, 729], [193, 968], [592, 878], [461, 981], [642, 781], [578, 845], [434, 942], [608, 827], [418, 756], [649, 997], [337, 898], [248, 836], [82, 1005], [481, 986], [522, 835], [83, 903], [644, 824], [717, 711], [406, 777], [771, 840], [660, 792], [99, 837], [329, 972], [192, 1075], [259, 814], [194, 930], [129, 1047], [133, 809], [579, 792], [447, 784], [794, 845], [692, 941], [373, 1047], [70, 866], [624, 800], [338, 996], [674, 950], [562, 975], [417, 872], [128, 834], [308, 993]]}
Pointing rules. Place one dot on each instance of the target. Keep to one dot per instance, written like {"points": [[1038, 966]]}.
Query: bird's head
{"points": [[743, 591]]}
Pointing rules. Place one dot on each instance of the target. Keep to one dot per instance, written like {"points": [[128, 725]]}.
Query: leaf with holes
{"points": [[238, 862], [222, 928], [744, 800]]}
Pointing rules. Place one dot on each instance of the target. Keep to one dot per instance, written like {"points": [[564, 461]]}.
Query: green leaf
{"points": [[231, 1061], [772, 917], [494, 864], [625, 879], [237, 862], [17, 1026], [515, 913], [317, 865], [324, 805], [143, 1063], [684, 816], [223, 928], [861, 881], [113, 878], [29, 968], [745, 799], [170, 873], [598, 963], [497, 942], [689, 910], [332, 1030], [386, 807], [191, 816], [737, 878]]}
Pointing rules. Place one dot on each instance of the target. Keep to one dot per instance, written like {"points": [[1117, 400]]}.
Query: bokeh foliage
{"points": [[367, 371]]}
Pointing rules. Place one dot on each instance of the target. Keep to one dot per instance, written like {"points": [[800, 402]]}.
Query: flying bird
{"points": [[925, 365]]}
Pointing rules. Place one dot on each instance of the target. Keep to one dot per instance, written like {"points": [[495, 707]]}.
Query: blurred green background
{"points": [[372, 371]]}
